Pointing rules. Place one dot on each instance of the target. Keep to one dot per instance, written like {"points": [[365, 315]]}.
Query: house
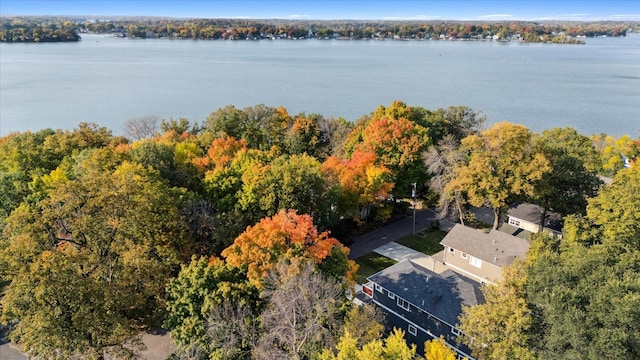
{"points": [[480, 255], [529, 217], [424, 304]]}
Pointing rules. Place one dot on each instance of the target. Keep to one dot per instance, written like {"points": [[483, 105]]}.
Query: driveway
{"points": [[366, 243]]}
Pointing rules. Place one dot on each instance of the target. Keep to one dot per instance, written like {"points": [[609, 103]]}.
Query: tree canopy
{"points": [[502, 165], [88, 263]]}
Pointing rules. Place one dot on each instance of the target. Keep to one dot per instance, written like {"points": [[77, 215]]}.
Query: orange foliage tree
{"points": [[220, 154], [398, 140], [361, 182], [286, 235]]}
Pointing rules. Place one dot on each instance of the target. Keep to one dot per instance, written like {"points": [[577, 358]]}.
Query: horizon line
{"points": [[484, 18]]}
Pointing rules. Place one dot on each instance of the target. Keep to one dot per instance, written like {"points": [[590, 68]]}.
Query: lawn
{"points": [[427, 242], [370, 264]]}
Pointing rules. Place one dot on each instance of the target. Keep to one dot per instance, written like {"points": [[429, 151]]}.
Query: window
{"points": [[451, 251], [463, 255], [514, 222], [403, 303], [391, 295], [475, 261], [378, 288], [455, 331], [412, 330]]}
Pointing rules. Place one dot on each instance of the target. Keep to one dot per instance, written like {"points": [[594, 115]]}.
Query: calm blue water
{"points": [[594, 88]]}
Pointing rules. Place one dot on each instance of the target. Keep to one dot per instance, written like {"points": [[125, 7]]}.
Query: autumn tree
{"points": [[365, 323], [437, 349], [398, 145], [283, 236], [397, 140], [608, 218], [358, 182], [502, 166], [98, 251], [304, 137], [613, 151], [393, 347]]}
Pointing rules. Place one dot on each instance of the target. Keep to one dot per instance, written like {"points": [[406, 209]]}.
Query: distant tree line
{"points": [[38, 30], [30, 29]]}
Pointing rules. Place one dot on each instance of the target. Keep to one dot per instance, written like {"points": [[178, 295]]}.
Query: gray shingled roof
{"points": [[494, 247], [440, 295], [533, 213]]}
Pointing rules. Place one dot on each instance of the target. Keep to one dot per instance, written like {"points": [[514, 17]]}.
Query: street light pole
{"points": [[413, 195]]}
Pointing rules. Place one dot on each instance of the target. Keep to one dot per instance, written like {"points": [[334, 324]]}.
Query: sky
{"points": [[586, 10]]}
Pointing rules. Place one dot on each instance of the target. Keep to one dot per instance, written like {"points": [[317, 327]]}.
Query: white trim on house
{"points": [[474, 261], [412, 330], [460, 353], [403, 303], [472, 275]]}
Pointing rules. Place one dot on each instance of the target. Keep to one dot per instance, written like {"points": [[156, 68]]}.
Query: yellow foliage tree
{"points": [[437, 349], [502, 164]]}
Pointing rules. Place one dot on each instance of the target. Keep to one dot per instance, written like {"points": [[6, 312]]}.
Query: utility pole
{"points": [[413, 195]]}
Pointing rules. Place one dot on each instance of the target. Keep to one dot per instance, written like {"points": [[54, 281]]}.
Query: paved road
{"points": [[8, 351], [159, 347], [368, 242]]}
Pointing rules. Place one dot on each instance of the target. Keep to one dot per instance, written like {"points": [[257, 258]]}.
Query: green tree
{"points": [[614, 212], [156, 155], [503, 327], [288, 182], [88, 264], [572, 180], [262, 127], [502, 166], [13, 188], [304, 137], [365, 323], [590, 311], [200, 290], [455, 121]]}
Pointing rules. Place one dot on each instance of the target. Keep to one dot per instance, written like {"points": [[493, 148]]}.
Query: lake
{"points": [[594, 88]]}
